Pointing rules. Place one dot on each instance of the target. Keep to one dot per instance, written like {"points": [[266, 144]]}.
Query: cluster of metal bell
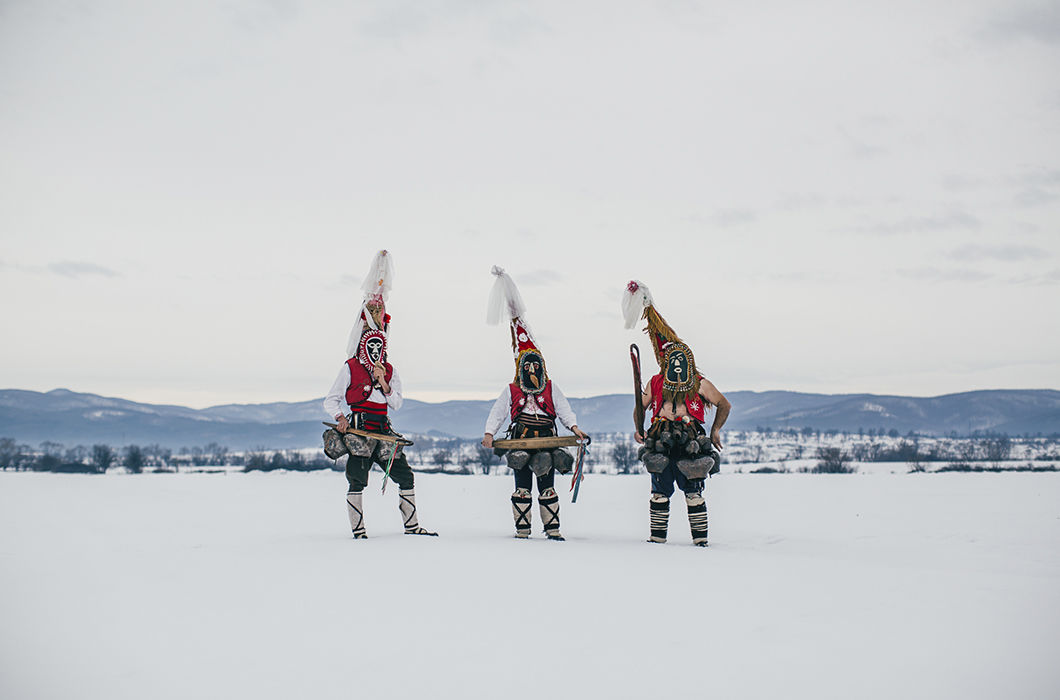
{"points": [[678, 441], [337, 445], [541, 461], [680, 436]]}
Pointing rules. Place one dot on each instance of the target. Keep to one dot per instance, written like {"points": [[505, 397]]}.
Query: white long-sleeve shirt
{"points": [[502, 409], [335, 402]]}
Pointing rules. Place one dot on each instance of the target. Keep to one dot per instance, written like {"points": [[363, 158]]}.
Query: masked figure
{"points": [[676, 447], [530, 404], [369, 387]]}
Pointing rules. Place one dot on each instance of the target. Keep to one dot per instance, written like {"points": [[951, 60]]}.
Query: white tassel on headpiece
{"points": [[504, 296], [635, 299], [377, 283], [380, 277]]}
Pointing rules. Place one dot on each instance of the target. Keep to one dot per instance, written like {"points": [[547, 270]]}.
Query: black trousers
{"points": [[357, 469], [524, 479]]}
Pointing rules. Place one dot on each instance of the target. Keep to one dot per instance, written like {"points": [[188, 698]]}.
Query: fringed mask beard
{"points": [[531, 372], [372, 349], [680, 379]]}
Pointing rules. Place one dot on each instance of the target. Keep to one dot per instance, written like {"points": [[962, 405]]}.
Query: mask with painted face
{"points": [[531, 374], [372, 349], [679, 369]]}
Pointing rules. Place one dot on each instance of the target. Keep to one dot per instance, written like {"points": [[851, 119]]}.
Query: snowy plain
{"points": [[249, 586]]}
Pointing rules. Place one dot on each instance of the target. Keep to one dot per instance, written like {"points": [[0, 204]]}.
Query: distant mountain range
{"points": [[73, 418]]}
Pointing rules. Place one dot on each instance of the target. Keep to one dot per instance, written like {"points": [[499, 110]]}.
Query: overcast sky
{"points": [[823, 196]]}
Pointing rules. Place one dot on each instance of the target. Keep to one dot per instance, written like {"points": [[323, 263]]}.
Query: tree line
{"points": [[97, 459], [80, 459], [809, 432], [466, 456], [959, 456]]}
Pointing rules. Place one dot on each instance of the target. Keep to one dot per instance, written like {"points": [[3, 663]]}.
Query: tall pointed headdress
{"points": [[676, 362], [372, 315], [530, 372]]}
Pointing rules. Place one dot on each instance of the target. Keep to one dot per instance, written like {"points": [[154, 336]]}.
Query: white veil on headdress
{"points": [[504, 296], [376, 287], [380, 278], [635, 299]]}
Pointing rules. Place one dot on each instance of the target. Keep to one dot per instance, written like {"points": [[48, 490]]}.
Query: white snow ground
{"points": [[248, 586]]}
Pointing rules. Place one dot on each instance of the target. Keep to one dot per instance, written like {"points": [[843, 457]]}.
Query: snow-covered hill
{"points": [[249, 586], [72, 418]]}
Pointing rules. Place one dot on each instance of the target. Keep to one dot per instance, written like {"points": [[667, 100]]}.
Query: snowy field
{"points": [[249, 586]]}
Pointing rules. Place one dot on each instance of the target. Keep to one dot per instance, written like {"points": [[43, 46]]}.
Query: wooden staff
{"points": [[538, 443], [638, 390], [403, 441]]}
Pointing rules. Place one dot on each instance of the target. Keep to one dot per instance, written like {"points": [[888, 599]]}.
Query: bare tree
{"points": [[916, 456], [441, 457], [8, 452], [134, 459], [968, 451], [486, 458], [102, 457], [256, 460], [216, 454], [625, 456], [832, 460], [76, 455], [997, 449], [157, 456], [25, 457]]}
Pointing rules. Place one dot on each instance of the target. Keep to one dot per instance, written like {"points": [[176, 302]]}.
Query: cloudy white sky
{"points": [[823, 196]]}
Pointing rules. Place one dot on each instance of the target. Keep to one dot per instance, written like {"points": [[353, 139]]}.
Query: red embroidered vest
{"points": [[695, 405], [361, 388], [543, 400]]}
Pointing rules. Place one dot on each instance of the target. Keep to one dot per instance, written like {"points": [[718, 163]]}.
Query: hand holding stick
{"points": [[379, 373]]}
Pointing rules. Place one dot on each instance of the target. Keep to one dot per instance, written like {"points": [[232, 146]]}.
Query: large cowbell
{"points": [[372, 350], [679, 368], [531, 372]]}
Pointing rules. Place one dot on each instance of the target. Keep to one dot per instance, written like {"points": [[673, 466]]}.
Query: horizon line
{"points": [[491, 398]]}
